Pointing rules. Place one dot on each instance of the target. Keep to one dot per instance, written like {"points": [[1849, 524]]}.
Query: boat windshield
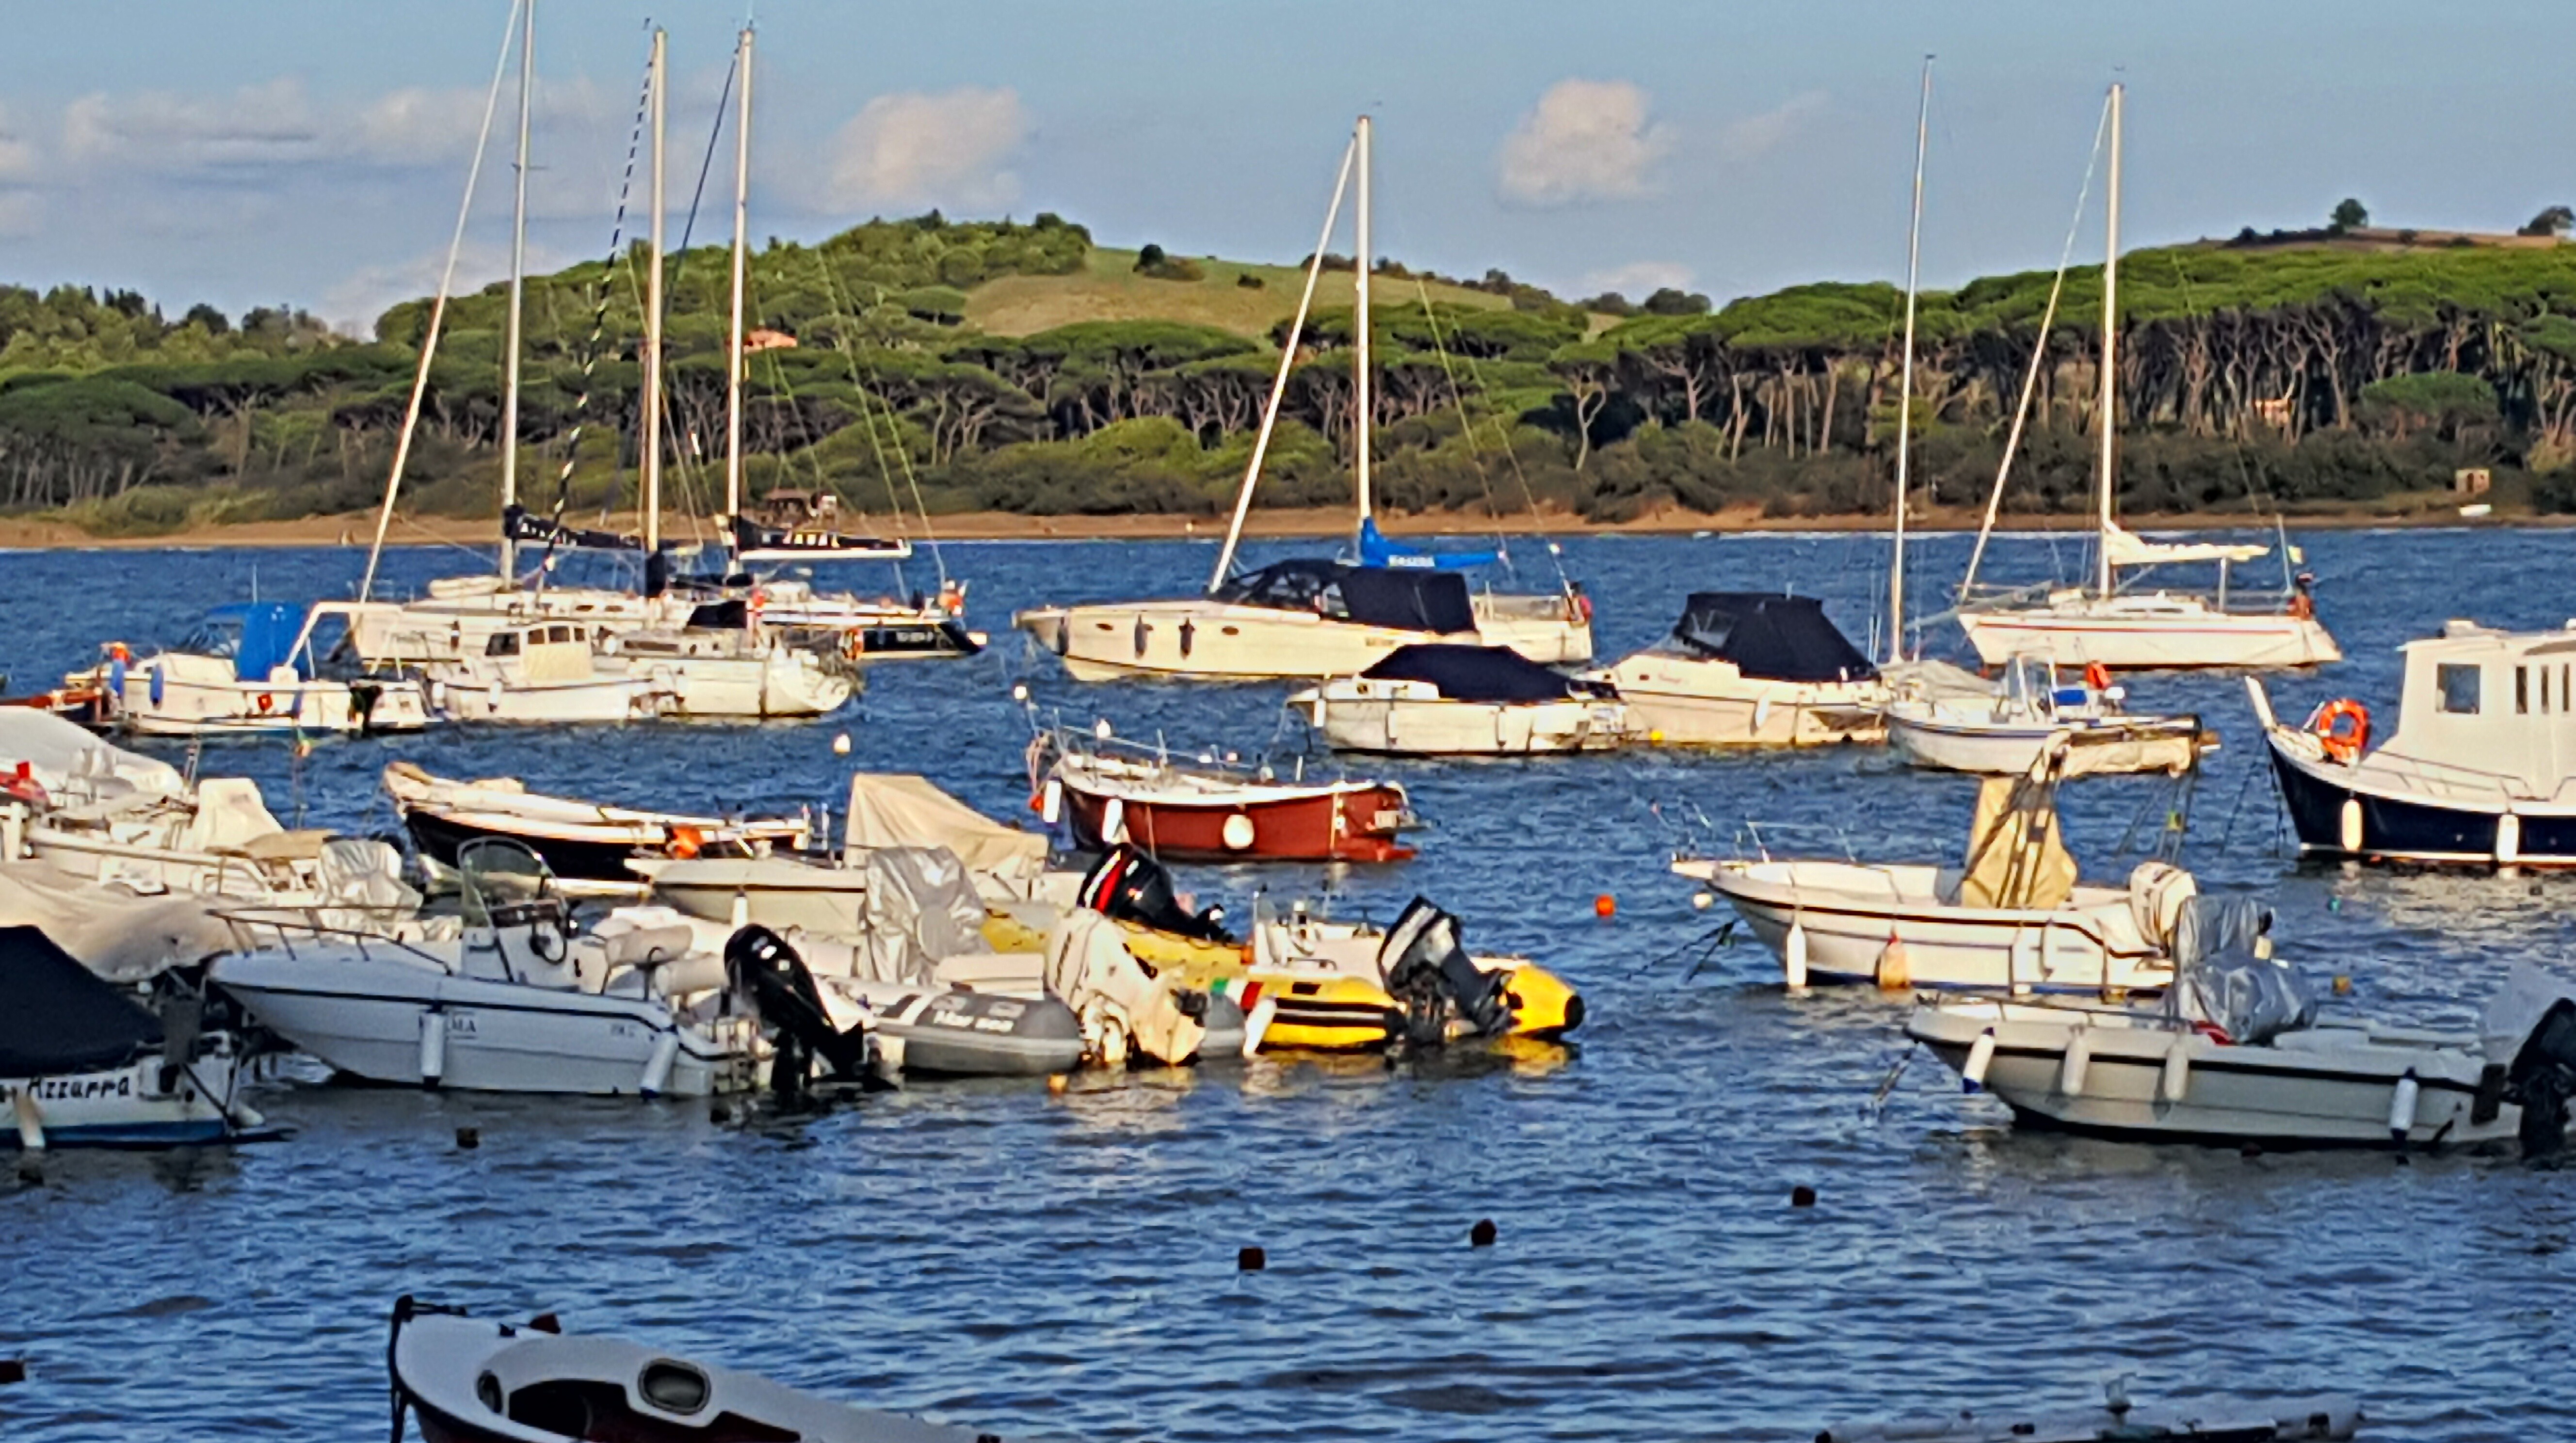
{"points": [[504, 884], [1430, 601]]}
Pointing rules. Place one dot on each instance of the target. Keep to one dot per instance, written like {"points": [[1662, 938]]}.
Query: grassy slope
{"points": [[1108, 289]]}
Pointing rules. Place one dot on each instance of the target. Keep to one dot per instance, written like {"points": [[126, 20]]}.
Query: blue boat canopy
{"points": [[259, 636], [1377, 550]]}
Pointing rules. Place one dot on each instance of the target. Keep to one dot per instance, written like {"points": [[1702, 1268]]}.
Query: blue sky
{"points": [[312, 153]]}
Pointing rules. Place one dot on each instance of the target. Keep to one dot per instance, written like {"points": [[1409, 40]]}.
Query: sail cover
{"points": [[755, 542], [1433, 601], [2017, 856], [1770, 636], [519, 524], [1479, 673], [2128, 548], [60, 1017], [1377, 550]]}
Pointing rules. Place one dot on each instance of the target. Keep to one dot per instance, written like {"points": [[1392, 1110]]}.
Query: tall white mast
{"points": [[1363, 402], [1279, 384], [741, 216], [2110, 355], [518, 292], [1905, 388], [652, 356]]}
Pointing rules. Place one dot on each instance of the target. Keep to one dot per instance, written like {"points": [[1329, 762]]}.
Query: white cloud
{"points": [[267, 124], [1585, 140], [952, 148], [20, 212], [417, 126], [352, 303], [1754, 134], [19, 158], [1639, 279]]}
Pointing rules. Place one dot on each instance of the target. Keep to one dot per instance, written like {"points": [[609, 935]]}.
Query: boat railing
{"points": [[1158, 755], [1760, 836], [279, 925]]}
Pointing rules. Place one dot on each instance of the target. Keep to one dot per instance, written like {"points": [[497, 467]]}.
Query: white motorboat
{"points": [[735, 670], [84, 1063], [2013, 917], [2113, 627], [2235, 1055], [2480, 769], [1442, 700], [518, 1002], [548, 673], [476, 1382], [1752, 669], [2003, 733], [2215, 1420], [250, 669], [1312, 619]]}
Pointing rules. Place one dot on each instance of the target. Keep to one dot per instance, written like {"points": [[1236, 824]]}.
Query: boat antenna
{"points": [[1279, 384], [1905, 391], [2038, 359], [518, 291], [438, 308]]}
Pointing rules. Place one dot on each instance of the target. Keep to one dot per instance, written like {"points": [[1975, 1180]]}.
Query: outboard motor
{"points": [[2543, 1079], [760, 964], [1128, 886], [1426, 968]]}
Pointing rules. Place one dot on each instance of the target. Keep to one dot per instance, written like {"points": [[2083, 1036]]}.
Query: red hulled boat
{"points": [[1213, 811]]}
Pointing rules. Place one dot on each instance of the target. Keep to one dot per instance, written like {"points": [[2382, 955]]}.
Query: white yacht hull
{"points": [[1193, 640], [2318, 1087], [1685, 702], [2009, 749], [1403, 726], [200, 696], [779, 683], [457, 628], [411, 1025], [591, 699], [2152, 632], [1887, 926]]}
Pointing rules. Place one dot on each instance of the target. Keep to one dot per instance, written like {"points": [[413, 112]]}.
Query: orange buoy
{"points": [[1605, 905]]}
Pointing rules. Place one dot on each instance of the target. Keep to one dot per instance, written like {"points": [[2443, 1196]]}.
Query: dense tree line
{"points": [[2290, 370]]}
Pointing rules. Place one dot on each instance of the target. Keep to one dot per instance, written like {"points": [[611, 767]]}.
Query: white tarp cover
{"points": [[121, 936], [2528, 993], [69, 762], [897, 810], [1089, 966], [2128, 548], [230, 815]]}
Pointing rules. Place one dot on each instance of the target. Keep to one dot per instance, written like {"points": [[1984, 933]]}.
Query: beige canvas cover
{"points": [[116, 933], [2016, 855], [900, 810]]}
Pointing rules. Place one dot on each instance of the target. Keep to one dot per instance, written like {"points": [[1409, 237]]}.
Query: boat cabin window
{"points": [[2522, 690], [2458, 685], [503, 643]]}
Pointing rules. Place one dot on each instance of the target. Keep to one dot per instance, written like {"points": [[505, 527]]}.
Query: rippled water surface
{"points": [[1064, 1266]]}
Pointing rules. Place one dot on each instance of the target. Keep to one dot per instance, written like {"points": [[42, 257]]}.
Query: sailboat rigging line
{"points": [[598, 324], [2255, 491], [2038, 355], [912, 480], [1529, 497], [679, 264], [438, 307]]}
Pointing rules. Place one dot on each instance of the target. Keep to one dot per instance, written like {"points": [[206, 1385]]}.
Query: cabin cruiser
{"points": [[1746, 668], [2235, 1053], [470, 1381], [2012, 917], [2003, 733], [1441, 700], [2480, 769], [724, 664], [249, 669], [518, 1001], [1104, 792], [549, 672], [587, 845], [85, 1061]]}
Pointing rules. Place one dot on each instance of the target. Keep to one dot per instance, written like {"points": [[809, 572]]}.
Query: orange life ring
{"points": [[266, 701], [2097, 676], [2329, 724]]}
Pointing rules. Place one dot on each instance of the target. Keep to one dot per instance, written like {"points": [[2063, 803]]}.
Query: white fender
{"points": [[1257, 1024], [1761, 716], [1238, 832], [657, 1068], [2175, 1079], [31, 1123], [2508, 840], [1793, 958], [1981, 1055], [492, 700], [2077, 1061], [433, 1048], [1895, 973], [1051, 801], [2401, 1106], [2348, 825], [1113, 821]]}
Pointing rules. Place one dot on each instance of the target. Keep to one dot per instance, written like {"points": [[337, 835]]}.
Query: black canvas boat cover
{"points": [[1479, 673], [1770, 635], [1433, 601], [60, 1016]]}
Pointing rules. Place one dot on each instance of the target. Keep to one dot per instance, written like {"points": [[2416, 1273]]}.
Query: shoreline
{"points": [[355, 530]]}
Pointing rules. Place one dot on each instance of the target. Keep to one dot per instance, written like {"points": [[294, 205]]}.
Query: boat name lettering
{"points": [[71, 1089]]}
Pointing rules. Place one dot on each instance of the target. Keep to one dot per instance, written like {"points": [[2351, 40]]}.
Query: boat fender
{"points": [[2401, 1107], [2508, 846], [1113, 821], [2348, 825], [1793, 957], [1894, 973], [1051, 802], [492, 700], [1256, 1024], [1761, 715], [2077, 1061], [1239, 832], [31, 1123], [1981, 1055], [2175, 1078], [657, 1068], [433, 1048]]}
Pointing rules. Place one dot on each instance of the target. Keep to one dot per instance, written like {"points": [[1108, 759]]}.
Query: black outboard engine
{"points": [[1427, 970], [760, 964], [1128, 886], [2543, 1079]]}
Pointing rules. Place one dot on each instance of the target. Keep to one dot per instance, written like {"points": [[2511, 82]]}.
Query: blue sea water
{"points": [[1064, 1265]]}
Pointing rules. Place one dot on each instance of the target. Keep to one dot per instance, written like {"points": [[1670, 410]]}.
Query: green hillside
{"points": [[1019, 367]]}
